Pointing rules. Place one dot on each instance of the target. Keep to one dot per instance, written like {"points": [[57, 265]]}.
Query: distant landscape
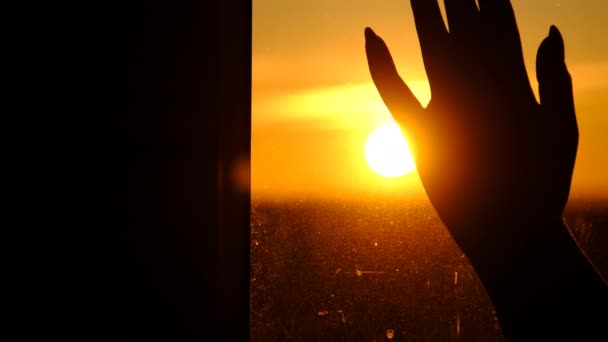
{"points": [[350, 271]]}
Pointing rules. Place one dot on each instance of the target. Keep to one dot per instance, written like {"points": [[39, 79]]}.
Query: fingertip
{"points": [[556, 35], [369, 33], [552, 48], [557, 43], [551, 71], [374, 46], [554, 31]]}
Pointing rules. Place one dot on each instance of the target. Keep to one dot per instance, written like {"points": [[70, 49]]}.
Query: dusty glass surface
{"points": [[341, 252]]}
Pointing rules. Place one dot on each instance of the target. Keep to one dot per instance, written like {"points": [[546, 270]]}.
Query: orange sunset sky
{"points": [[313, 102]]}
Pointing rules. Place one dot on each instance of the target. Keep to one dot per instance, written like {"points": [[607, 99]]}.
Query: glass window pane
{"points": [[344, 242]]}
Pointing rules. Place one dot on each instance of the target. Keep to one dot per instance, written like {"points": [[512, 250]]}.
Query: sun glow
{"points": [[387, 152]]}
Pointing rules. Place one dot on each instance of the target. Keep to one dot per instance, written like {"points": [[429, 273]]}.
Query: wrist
{"points": [[539, 274], [535, 248]]}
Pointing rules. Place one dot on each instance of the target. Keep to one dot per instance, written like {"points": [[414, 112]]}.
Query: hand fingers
{"points": [[504, 44], [396, 95], [499, 22], [557, 116], [433, 37], [555, 84], [462, 16]]}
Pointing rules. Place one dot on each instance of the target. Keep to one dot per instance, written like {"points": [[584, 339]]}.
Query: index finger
{"points": [[432, 34]]}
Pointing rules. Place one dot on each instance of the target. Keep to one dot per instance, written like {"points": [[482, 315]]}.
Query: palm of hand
{"points": [[486, 151]]}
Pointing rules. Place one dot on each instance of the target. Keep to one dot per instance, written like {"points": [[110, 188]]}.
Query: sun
{"points": [[387, 152]]}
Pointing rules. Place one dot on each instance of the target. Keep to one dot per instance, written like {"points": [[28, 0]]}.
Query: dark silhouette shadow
{"points": [[497, 165], [120, 126]]}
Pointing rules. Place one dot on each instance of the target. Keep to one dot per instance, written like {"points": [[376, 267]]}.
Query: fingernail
{"points": [[558, 43], [553, 31], [369, 33]]}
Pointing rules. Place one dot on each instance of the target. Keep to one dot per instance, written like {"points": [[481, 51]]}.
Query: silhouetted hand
{"points": [[485, 150], [495, 163]]}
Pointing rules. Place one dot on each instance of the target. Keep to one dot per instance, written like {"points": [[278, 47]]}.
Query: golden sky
{"points": [[313, 103]]}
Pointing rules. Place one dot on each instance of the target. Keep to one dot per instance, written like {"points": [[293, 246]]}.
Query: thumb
{"points": [[395, 93], [555, 83]]}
